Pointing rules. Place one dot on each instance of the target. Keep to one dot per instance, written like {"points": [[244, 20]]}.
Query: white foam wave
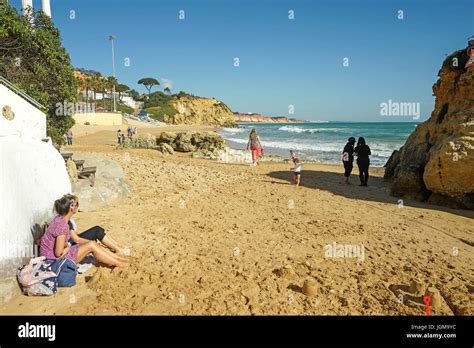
{"points": [[296, 129], [378, 150], [233, 130]]}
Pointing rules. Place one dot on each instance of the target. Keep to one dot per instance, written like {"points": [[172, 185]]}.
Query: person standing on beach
{"points": [[348, 159], [119, 136], [363, 162], [69, 136], [255, 146], [297, 172]]}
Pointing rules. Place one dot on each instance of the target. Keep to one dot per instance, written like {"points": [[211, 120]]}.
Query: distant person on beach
{"points": [[135, 131], [297, 172], [119, 136], [60, 241], [123, 138], [348, 158], [69, 136], [255, 146], [363, 162], [129, 131]]}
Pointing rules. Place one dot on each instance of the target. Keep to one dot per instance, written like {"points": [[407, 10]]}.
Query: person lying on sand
{"points": [[54, 243]]}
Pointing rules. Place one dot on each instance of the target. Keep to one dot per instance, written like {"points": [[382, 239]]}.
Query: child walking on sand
{"points": [[297, 172]]}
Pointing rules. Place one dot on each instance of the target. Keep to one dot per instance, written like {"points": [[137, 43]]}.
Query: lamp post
{"points": [[112, 38]]}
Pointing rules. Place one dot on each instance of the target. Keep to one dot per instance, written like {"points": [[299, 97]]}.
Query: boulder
{"points": [[184, 143], [437, 161], [206, 144], [72, 170], [165, 149], [166, 137], [143, 141]]}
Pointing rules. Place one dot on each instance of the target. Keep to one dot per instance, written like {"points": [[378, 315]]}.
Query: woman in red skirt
{"points": [[255, 146]]}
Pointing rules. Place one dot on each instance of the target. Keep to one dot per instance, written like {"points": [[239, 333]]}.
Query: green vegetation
{"points": [[160, 113], [105, 103], [32, 57], [120, 89], [148, 82], [158, 105]]}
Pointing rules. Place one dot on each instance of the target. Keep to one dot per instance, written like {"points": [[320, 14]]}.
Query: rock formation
{"points": [[196, 110], [436, 164]]}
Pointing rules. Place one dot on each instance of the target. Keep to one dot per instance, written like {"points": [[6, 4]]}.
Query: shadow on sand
{"points": [[377, 191]]}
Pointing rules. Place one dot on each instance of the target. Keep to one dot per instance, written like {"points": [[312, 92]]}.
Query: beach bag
{"points": [[66, 272], [37, 279], [262, 151]]}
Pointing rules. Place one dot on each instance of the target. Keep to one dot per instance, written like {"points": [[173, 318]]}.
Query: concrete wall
{"points": [[99, 118], [28, 122], [32, 176]]}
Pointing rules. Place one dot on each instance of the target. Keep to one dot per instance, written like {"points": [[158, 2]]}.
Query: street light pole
{"points": [[112, 38]]}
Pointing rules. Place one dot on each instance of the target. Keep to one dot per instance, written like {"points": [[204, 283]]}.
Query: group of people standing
{"points": [[361, 150], [131, 131]]}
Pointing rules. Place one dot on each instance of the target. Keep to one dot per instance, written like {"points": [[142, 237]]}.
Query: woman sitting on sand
{"points": [[54, 243], [255, 146], [363, 162], [95, 233]]}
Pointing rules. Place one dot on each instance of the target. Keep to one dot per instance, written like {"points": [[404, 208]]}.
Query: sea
{"points": [[323, 142]]}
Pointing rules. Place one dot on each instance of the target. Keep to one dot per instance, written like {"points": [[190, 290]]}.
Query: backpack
{"points": [[66, 272], [37, 279]]}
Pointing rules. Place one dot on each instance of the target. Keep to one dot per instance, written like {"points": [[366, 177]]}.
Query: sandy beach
{"points": [[211, 238]]}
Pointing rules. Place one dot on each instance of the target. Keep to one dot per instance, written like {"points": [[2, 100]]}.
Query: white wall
{"points": [[29, 122], [129, 102], [32, 176]]}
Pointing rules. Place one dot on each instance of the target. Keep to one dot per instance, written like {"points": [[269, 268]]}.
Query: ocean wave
{"points": [[234, 130], [378, 149], [297, 129]]}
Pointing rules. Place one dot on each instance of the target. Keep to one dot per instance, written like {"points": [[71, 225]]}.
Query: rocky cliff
{"points": [[436, 163], [264, 119], [196, 110]]}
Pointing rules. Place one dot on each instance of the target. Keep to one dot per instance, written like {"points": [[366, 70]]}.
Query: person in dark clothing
{"points": [[363, 162], [348, 158]]}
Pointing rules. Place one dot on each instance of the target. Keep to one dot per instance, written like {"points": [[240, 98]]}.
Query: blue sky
{"points": [[282, 62]]}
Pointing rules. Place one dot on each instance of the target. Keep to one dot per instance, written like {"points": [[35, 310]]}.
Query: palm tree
{"points": [[88, 86], [80, 85], [95, 85]]}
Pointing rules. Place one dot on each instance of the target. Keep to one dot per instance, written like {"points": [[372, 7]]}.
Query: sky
{"points": [[284, 64]]}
